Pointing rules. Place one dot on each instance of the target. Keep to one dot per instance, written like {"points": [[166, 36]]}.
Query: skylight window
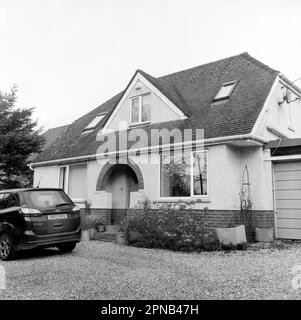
{"points": [[225, 91], [92, 125]]}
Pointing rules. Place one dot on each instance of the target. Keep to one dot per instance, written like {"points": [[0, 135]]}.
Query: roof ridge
{"points": [[161, 82], [201, 65], [258, 63], [58, 127]]}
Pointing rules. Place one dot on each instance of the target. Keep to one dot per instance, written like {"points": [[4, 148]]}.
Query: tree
{"points": [[19, 139]]}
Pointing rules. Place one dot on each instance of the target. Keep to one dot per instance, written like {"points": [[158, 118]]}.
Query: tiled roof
{"points": [[192, 91], [52, 134]]}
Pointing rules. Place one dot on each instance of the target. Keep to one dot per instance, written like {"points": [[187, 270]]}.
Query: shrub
{"points": [[169, 229], [91, 221]]}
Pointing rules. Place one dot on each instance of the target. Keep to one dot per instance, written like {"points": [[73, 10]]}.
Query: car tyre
{"points": [[7, 247], [67, 247]]}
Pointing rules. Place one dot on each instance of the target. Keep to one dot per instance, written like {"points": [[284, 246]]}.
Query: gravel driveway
{"points": [[100, 270]]}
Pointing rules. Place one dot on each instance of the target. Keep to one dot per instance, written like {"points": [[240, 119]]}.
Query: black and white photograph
{"points": [[150, 153]]}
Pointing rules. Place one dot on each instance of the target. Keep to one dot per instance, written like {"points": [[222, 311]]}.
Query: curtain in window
{"points": [[78, 181]]}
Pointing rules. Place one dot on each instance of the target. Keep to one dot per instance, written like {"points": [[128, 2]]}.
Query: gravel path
{"points": [[100, 270]]}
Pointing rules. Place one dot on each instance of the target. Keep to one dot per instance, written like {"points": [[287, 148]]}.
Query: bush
{"points": [[169, 229], [91, 221]]}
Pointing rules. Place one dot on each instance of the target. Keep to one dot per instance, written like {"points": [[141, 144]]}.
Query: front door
{"points": [[120, 194], [120, 189]]}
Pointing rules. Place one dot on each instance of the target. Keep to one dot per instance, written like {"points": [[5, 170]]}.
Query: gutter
{"points": [[179, 145]]}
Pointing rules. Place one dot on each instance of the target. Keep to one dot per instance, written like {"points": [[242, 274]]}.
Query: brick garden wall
{"points": [[211, 218], [104, 214], [224, 218]]}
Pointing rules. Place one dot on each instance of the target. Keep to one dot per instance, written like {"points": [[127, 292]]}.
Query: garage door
{"points": [[288, 199]]}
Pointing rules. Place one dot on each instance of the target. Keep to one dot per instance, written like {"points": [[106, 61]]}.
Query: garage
{"points": [[287, 177], [285, 155]]}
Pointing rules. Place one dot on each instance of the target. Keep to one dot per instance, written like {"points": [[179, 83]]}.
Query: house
{"points": [[237, 113]]}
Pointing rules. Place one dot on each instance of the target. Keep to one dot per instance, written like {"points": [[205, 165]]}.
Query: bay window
{"points": [[184, 175]]}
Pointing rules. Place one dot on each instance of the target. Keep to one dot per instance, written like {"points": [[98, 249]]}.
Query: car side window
{"points": [[13, 201], [4, 200]]}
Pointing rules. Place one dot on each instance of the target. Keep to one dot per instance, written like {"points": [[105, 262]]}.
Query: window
{"points": [[63, 177], [95, 122], [289, 99], [225, 91], [141, 109], [77, 181], [175, 176], [184, 175], [135, 110], [199, 173], [72, 179], [4, 200], [44, 199], [13, 201]]}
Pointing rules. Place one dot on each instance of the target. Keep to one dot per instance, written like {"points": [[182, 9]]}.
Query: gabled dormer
{"points": [[146, 100]]}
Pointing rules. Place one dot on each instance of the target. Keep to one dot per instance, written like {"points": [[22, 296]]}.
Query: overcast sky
{"points": [[69, 56]]}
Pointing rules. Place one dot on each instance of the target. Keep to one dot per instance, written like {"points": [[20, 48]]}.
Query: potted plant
{"points": [[90, 224], [236, 234], [232, 235], [264, 234]]}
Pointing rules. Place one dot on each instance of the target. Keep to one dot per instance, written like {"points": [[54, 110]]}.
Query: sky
{"points": [[69, 56]]}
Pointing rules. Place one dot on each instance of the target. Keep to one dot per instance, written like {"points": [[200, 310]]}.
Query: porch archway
{"points": [[108, 169]]}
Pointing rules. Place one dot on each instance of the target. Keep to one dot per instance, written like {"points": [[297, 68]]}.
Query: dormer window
{"points": [[141, 109], [225, 91], [93, 124]]}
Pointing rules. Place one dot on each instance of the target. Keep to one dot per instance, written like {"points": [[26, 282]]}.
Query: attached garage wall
{"points": [[288, 199]]}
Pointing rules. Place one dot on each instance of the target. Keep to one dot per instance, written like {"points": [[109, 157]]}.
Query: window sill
{"points": [[138, 124], [88, 131], [184, 199]]}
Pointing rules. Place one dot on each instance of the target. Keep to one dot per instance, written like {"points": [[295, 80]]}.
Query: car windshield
{"points": [[46, 199]]}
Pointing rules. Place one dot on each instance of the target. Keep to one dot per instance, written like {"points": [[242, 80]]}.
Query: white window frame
{"points": [[66, 187], [140, 97], [89, 128], [192, 196], [191, 174], [290, 111], [227, 84]]}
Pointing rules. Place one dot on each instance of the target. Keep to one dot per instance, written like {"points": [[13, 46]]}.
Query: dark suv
{"points": [[37, 217]]}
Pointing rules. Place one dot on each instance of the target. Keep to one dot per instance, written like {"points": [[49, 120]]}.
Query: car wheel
{"points": [[67, 247], [7, 247]]}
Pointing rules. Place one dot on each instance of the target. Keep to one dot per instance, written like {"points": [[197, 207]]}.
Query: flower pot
{"points": [[121, 238], [264, 234], [92, 233], [235, 235], [85, 235]]}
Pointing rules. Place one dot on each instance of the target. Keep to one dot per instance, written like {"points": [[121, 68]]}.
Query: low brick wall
{"points": [[213, 219], [118, 215], [104, 214]]}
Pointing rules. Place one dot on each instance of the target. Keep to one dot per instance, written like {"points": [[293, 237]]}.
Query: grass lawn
{"points": [[100, 270]]}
